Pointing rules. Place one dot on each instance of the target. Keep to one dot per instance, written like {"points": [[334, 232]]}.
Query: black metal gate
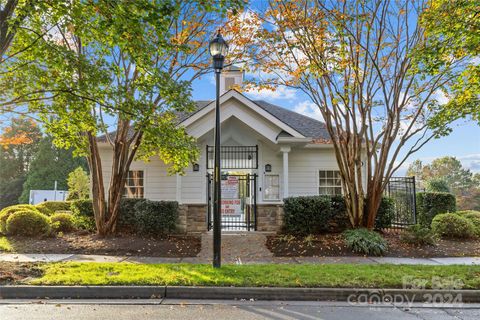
{"points": [[239, 202], [402, 191]]}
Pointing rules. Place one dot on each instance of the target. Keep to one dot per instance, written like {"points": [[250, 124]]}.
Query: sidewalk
{"points": [[38, 257]]}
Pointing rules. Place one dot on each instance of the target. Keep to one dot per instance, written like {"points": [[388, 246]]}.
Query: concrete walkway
{"points": [[237, 248]]}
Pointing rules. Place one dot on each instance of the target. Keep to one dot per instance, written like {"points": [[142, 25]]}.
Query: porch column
{"points": [[285, 151], [178, 194]]}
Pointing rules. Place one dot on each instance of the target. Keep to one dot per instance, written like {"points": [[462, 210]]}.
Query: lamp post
{"points": [[218, 49]]}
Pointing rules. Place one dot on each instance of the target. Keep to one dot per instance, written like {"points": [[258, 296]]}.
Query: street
{"points": [[215, 309]]}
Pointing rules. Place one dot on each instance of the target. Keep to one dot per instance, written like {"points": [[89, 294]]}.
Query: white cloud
{"points": [[280, 93], [441, 97], [471, 161], [308, 109]]}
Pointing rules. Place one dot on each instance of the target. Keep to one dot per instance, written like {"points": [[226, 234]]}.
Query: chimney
{"points": [[229, 78]]}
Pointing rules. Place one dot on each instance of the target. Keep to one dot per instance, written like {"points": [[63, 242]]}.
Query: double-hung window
{"points": [[134, 186], [330, 182], [272, 187]]}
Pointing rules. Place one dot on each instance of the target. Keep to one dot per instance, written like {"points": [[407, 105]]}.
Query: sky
{"points": [[463, 143]]}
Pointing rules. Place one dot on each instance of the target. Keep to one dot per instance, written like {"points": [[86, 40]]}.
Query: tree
{"points": [[354, 60], [18, 144], [49, 165], [78, 185], [437, 185], [453, 30], [126, 65]]}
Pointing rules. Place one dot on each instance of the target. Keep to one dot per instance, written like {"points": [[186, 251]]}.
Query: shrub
{"points": [[28, 223], [452, 225], [83, 216], [307, 215], [429, 204], [8, 211], [318, 214], [62, 222], [418, 235], [474, 217], [385, 213], [126, 215], [365, 241], [50, 207], [156, 217]]}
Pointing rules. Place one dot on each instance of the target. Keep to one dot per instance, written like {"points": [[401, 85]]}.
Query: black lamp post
{"points": [[218, 49]]}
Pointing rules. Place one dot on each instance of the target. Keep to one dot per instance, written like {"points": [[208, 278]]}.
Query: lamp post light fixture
{"points": [[218, 49]]}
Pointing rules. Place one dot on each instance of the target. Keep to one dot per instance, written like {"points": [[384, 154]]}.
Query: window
{"points": [[134, 187], [330, 183], [272, 187]]}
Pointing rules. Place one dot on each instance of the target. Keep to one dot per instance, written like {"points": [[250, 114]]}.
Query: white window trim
{"points": [[144, 182], [317, 174], [279, 187]]}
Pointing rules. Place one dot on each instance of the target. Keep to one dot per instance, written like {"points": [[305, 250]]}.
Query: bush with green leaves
{"points": [[474, 217], [29, 223], [126, 214], [451, 225], [8, 211], [385, 213], [50, 207], [319, 214], [430, 204], [418, 235], [62, 221], [307, 215], [83, 216], [156, 217], [365, 241]]}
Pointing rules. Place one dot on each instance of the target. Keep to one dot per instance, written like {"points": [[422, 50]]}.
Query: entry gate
{"points": [[239, 202]]}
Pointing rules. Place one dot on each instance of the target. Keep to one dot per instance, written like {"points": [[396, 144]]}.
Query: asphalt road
{"points": [[219, 310]]}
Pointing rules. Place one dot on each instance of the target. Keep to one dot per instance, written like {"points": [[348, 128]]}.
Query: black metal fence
{"points": [[402, 191], [234, 157]]}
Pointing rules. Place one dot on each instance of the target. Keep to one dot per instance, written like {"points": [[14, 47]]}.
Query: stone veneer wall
{"points": [[192, 218], [269, 217]]}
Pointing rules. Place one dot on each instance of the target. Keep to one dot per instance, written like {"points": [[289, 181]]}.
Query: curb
{"points": [[230, 293]]}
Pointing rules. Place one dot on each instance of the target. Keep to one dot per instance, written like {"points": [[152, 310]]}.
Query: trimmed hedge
{"points": [[430, 204], [156, 217], [126, 215], [50, 207], [319, 214], [8, 211], [385, 213], [83, 216], [62, 222], [451, 225], [30, 223], [474, 217]]}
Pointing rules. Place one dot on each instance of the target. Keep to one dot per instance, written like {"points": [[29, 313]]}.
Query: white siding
{"points": [[304, 165]]}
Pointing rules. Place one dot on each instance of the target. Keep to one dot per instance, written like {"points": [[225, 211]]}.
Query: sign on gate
{"points": [[230, 204]]}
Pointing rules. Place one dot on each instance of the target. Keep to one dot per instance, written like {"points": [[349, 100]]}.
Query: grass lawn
{"points": [[5, 244], [308, 275]]}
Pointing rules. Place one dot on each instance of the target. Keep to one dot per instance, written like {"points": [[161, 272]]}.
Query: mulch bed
{"points": [[15, 273], [329, 245], [128, 245]]}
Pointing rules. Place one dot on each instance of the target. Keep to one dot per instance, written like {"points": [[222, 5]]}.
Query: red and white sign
{"points": [[230, 188], [231, 207]]}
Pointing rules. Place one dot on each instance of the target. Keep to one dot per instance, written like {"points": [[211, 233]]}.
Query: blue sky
{"points": [[463, 143]]}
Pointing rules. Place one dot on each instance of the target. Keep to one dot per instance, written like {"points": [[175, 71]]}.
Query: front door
{"points": [[239, 201]]}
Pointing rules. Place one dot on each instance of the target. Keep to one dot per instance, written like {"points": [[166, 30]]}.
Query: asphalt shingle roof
{"points": [[307, 126]]}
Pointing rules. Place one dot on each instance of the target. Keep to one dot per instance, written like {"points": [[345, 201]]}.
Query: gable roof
{"points": [[306, 126]]}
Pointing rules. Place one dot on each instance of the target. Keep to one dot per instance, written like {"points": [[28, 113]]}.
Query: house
{"points": [[268, 153]]}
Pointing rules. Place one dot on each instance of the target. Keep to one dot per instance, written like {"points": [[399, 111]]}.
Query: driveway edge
{"points": [[230, 293]]}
